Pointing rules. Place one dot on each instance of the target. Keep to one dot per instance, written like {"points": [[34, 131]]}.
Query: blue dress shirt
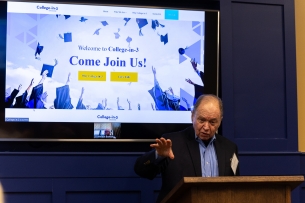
{"points": [[209, 163]]}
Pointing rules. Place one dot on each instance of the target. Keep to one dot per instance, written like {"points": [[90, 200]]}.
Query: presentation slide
{"points": [[85, 63]]}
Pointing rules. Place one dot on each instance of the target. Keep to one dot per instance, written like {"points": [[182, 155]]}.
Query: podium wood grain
{"points": [[241, 189]]}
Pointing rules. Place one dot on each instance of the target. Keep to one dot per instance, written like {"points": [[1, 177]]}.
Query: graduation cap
{"points": [[67, 16], [141, 23], [164, 38], [68, 37], [97, 32], [129, 39], [104, 23], [182, 51], [116, 34], [82, 19], [126, 19], [155, 24], [38, 49], [50, 68]]}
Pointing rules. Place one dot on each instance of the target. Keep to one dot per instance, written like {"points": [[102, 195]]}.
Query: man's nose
{"points": [[205, 125]]}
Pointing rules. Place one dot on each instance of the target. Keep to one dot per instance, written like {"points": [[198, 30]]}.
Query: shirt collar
{"points": [[200, 141]]}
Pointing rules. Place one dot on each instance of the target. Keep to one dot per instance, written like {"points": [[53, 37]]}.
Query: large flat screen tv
{"points": [[92, 72]]}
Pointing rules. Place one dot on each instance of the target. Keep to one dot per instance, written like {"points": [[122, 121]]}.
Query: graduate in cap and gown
{"points": [[10, 99], [163, 100], [101, 106], [35, 101], [38, 97], [199, 90], [21, 101], [63, 99], [80, 104], [118, 104]]}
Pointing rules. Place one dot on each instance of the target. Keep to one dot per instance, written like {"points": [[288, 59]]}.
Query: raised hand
{"points": [[32, 82], [68, 79], [129, 104], [44, 74], [153, 70], [163, 147], [194, 64], [171, 90], [29, 87], [44, 97], [189, 81]]}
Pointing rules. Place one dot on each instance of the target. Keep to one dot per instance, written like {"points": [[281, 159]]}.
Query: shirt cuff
{"points": [[158, 157]]}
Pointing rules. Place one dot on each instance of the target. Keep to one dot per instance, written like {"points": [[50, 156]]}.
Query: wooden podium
{"points": [[235, 189]]}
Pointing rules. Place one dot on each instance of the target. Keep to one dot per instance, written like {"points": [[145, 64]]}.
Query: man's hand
{"points": [[163, 147]]}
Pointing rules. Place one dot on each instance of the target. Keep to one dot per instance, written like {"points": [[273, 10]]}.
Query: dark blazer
{"points": [[187, 162]]}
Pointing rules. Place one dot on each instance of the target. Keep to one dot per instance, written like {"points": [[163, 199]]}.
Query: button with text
{"points": [[124, 77], [91, 75]]}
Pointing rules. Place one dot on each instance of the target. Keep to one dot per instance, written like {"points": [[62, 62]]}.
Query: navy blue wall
{"points": [[109, 177], [258, 88]]}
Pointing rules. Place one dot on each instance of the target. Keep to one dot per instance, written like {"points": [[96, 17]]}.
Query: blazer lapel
{"points": [[220, 153], [193, 147]]}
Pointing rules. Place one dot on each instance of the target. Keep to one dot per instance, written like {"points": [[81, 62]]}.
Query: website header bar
{"points": [[107, 11]]}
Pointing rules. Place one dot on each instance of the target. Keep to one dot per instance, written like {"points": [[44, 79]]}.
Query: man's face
{"points": [[206, 119], [107, 132]]}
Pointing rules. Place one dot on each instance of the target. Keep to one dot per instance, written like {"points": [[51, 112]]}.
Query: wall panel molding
{"points": [[258, 74]]}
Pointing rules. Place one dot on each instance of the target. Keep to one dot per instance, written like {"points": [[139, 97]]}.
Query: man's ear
{"points": [[220, 121]]}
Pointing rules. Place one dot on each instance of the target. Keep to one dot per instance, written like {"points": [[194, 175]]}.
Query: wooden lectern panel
{"points": [[242, 189]]}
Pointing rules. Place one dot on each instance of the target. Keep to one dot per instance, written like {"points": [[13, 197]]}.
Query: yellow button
{"points": [[124, 76], [92, 75]]}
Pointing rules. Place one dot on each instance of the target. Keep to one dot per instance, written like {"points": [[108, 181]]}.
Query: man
{"points": [[195, 151]]}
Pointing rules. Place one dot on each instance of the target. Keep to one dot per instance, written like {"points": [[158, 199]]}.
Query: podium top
{"points": [[187, 182], [292, 181]]}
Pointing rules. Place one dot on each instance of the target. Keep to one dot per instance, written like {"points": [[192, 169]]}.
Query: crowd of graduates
{"points": [[36, 98]]}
